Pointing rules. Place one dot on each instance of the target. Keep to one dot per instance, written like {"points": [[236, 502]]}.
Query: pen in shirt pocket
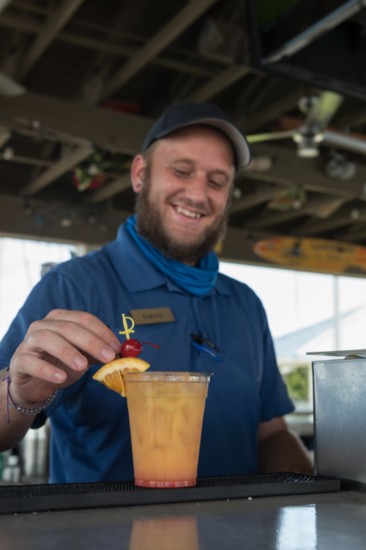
{"points": [[201, 343]]}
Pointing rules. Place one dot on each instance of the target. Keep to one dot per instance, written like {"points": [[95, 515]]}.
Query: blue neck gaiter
{"points": [[198, 281]]}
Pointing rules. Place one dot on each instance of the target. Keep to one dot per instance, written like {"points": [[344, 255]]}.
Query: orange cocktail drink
{"points": [[166, 412]]}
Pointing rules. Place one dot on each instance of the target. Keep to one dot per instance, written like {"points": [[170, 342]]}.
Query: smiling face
{"points": [[184, 187]]}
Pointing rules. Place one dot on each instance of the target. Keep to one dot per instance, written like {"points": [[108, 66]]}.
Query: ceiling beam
{"points": [[48, 176], [59, 17], [110, 189], [169, 32], [217, 84], [271, 218], [32, 161], [266, 115], [352, 119], [112, 131], [290, 170], [5, 135], [261, 195], [33, 27], [344, 217], [353, 233], [41, 221]]}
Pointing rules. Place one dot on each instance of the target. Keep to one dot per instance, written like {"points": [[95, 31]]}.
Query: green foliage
{"points": [[297, 382]]}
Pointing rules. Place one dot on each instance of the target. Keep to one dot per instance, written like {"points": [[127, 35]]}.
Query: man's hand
{"points": [[56, 352], [281, 450]]}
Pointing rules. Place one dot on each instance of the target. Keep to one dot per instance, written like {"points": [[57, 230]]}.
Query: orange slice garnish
{"points": [[111, 374]]}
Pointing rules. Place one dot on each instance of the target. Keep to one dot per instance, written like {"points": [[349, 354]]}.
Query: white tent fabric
{"points": [[350, 330]]}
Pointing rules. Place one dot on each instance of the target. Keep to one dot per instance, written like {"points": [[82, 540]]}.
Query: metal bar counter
{"points": [[334, 520]]}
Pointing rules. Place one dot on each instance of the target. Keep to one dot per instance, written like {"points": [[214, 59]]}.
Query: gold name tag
{"points": [[152, 315]]}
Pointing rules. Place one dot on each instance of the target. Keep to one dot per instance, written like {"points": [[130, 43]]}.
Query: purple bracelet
{"points": [[24, 410]]}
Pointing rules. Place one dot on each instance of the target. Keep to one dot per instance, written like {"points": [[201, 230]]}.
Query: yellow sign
{"points": [[323, 255]]}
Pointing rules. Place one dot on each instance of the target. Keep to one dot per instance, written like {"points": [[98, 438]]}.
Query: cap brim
{"points": [[240, 144]]}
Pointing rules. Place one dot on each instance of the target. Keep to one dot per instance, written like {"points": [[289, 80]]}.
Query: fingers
{"points": [[64, 341], [89, 322], [80, 334], [24, 366]]}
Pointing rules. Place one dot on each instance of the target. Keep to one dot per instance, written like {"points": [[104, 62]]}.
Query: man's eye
{"points": [[216, 183], [181, 173]]}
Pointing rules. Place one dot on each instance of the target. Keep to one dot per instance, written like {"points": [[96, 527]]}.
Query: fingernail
{"points": [[108, 354], [80, 361], [59, 376], [116, 346]]}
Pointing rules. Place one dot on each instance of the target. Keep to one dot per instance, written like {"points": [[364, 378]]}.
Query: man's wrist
{"points": [[28, 411]]}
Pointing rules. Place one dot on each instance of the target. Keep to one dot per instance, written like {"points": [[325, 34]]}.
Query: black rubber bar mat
{"points": [[71, 496]]}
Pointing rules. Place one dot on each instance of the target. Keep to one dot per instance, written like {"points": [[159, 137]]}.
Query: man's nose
{"points": [[196, 189]]}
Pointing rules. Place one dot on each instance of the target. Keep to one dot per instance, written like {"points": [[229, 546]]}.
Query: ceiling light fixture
{"points": [[308, 149], [307, 141]]}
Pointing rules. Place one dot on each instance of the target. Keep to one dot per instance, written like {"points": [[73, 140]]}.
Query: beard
{"points": [[151, 227]]}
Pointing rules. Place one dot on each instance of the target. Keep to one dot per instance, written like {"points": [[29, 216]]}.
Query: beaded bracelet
{"points": [[10, 403]]}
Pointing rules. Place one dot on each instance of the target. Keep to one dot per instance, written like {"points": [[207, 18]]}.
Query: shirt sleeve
{"points": [[274, 395], [53, 291]]}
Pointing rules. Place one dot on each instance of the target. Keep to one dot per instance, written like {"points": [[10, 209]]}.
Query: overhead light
{"points": [[308, 148], [307, 139]]}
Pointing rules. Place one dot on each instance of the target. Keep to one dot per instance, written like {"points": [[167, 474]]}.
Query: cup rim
{"points": [[170, 376]]}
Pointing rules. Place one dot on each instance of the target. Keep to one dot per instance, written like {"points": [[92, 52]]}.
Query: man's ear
{"points": [[138, 169]]}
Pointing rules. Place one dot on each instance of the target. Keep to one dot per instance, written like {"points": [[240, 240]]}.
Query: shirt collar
{"points": [[137, 273]]}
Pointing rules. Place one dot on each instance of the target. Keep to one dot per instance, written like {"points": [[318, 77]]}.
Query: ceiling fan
{"points": [[313, 132], [309, 135]]}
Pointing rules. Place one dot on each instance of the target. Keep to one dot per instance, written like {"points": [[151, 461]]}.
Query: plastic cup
{"points": [[165, 413]]}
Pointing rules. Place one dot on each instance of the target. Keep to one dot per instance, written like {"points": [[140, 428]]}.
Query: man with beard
{"points": [[162, 270]]}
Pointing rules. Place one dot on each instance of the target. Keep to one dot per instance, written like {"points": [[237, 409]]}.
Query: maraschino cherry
{"points": [[132, 347]]}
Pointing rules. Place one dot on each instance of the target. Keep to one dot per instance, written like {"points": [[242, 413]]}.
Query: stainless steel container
{"points": [[340, 415]]}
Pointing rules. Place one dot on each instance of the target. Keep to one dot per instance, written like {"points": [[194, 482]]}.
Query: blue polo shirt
{"points": [[90, 438]]}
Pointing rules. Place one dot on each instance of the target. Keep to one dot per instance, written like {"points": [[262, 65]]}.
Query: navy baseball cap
{"points": [[188, 114]]}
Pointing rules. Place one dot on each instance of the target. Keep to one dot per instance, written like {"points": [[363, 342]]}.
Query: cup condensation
{"points": [[166, 412]]}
